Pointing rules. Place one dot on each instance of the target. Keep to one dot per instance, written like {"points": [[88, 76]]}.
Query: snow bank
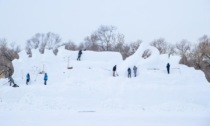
{"points": [[89, 88]]}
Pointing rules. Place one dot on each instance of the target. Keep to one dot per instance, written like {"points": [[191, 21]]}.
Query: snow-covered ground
{"points": [[88, 95]]}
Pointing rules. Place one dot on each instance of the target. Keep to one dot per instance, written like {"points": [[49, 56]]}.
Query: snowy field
{"points": [[88, 95]]}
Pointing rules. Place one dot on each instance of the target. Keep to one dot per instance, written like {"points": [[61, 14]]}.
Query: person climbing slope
{"points": [[79, 55]]}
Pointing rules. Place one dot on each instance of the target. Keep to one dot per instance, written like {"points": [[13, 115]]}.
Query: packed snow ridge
{"points": [[88, 86]]}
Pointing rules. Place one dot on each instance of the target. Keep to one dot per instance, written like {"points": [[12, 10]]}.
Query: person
{"points": [[134, 70], [45, 78], [168, 68], [79, 54], [114, 70], [11, 81], [129, 72], [27, 78]]}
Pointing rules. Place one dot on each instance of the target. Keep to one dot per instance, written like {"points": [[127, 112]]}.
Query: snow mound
{"points": [[154, 62], [89, 87]]}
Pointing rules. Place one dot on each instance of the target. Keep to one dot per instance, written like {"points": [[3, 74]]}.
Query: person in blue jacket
{"points": [[45, 78], [27, 78]]}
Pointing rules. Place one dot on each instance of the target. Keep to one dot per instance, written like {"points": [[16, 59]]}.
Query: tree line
{"points": [[107, 38]]}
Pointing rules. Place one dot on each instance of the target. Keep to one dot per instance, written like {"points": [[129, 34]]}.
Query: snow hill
{"points": [[88, 95]]}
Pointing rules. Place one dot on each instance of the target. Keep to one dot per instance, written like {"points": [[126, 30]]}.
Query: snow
{"points": [[89, 95]]}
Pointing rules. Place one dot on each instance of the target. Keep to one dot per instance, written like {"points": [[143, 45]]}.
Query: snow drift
{"points": [[151, 98]]}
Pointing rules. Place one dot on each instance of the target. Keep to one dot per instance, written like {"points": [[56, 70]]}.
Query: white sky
{"points": [[73, 20]]}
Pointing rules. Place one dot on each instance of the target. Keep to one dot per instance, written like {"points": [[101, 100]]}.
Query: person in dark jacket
{"points": [[129, 72], [11, 81], [134, 70], [45, 78], [168, 68], [27, 78], [79, 55], [114, 70]]}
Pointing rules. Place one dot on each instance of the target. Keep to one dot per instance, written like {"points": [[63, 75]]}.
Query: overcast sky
{"points": [[73, 20]]}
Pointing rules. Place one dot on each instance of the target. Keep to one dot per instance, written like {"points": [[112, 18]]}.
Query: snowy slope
{"points": [[89, 95]]}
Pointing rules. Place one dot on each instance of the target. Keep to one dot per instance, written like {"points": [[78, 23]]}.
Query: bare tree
{"points": [[42, 47], [81, 46], [130, 49], [28, 49], [203, 56], [161, 45], [91, 43], [9, 54], [52, 40], [3, 44], [134, 46], [70, 46], [42, 41], [35, 41], [125, 52], [183, 47], [106, 37], [204, 48], [119, 44], [198, 56], [171, 49], [202, 52], [6, 57]]}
